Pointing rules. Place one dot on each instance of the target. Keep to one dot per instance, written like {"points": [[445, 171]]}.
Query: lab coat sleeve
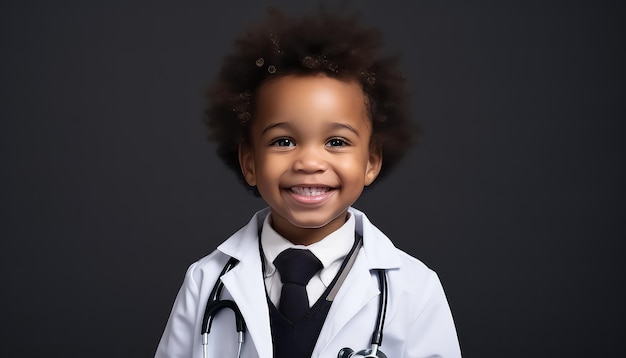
{"points": [[177, 339], [433, 334]]}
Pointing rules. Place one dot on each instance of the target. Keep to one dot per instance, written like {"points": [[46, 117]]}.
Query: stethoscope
{"points": [[214, 305], [377, 335]]}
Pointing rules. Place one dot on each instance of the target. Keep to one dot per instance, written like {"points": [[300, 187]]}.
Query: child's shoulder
{"points": [[412, 269], [413, 262], [207, 267], [381, 245]]}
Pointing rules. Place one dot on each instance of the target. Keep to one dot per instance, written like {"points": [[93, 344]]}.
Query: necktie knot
{"points": [[297, 266]]}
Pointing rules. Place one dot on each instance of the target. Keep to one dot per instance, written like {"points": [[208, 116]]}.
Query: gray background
{"points": [[109, 189]]}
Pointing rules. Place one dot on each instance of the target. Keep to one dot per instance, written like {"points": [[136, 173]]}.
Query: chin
{"points": [[308, 224], [308, 221]]}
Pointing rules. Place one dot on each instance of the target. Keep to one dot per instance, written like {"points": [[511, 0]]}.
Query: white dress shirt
{"points": [[331, 251]]}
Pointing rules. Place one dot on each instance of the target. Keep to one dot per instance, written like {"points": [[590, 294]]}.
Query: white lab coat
{"points": [[418, 321]]}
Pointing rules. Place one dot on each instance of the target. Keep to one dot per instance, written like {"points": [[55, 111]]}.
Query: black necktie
{"points": [[296, 267]]}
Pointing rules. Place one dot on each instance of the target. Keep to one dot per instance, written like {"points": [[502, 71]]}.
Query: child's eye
{"points": [[337, 142], [283, 142]]}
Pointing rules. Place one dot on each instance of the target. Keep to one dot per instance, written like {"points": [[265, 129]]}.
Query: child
{"points": [[308, 113]]}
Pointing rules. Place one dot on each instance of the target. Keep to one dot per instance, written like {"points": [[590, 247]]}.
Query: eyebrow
{"points": [[275, 125], [334, 125]]}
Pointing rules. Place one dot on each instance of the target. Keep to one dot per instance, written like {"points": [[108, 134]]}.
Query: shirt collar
{"points": [[330, 249]]}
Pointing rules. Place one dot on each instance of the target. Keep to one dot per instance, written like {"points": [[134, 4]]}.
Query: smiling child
{"points": [[308, 113]]}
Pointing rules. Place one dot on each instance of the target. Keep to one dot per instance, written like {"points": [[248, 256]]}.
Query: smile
{"points": [[310, 195], [310, 191]]}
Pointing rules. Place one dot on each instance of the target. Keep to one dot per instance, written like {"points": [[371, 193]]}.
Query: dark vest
{"points": [[297, 339]]}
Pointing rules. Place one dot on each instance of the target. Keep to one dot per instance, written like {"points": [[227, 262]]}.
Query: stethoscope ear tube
{"points": [[217, 288], [215, 307], [377, 336], [214, 304]]}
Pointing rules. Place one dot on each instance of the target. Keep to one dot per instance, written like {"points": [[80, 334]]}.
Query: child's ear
{"points": [[374, 164], [246, 162]]}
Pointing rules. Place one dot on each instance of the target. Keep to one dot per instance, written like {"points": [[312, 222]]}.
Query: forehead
{"points": [[316, 96]]}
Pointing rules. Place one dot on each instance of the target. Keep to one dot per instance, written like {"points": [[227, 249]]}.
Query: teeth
{"points": [[309, 191]]}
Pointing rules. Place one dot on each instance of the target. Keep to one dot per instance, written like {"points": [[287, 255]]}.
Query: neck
{"points": [[306, 236]]}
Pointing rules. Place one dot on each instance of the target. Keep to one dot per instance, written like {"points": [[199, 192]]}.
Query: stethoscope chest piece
{"points": [[366, 353]]}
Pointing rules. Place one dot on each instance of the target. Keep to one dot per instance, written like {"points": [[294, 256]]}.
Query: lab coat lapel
{"points": [[360, 287], [357, 290], [245, 284]]}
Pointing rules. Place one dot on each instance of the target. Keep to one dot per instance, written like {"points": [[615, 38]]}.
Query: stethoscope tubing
{"points": [[214, 305], [377, 336], [214, 297]]}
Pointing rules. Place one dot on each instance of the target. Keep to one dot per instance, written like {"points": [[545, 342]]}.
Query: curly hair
{"points": [[337, 46]]}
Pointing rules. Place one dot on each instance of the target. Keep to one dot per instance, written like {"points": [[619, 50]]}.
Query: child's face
{"points": [[309, 154]]}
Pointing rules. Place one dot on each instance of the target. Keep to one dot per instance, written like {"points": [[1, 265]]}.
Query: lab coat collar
{"points": [[245, 282], [378, 249], [239, 245]]}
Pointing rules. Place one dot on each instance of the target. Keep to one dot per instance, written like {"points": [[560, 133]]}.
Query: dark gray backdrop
{"points": [[109, 189]]}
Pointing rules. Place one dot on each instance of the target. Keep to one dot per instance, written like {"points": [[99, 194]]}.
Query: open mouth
{"points": [[310, 191]]}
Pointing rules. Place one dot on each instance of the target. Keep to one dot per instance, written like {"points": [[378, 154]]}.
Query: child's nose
{"points": [[309, 160]]}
